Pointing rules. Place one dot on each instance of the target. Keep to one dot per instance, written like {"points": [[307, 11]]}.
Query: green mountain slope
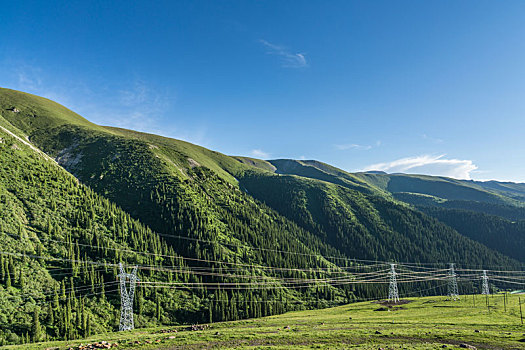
{"points": [[443, 187], [494, 192], [366, 226], [192, 208], [34, 113], [509, 212], [509, 189], [505, 236], [75, 235], [482, 211], [84, 234], [180, 189]]}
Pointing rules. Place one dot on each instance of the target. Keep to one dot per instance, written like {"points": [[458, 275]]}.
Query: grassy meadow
{"points": [[421, 323]]}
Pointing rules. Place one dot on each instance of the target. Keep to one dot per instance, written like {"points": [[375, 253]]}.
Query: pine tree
{"points": [[88, 327], [56, 302], [8, 279], [35, 327], [158, 309], [21, 280]]}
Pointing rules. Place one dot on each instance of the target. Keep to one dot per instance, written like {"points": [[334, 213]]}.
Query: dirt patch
{"points": [[358, 340], [193, 163], [390, 308], [454, 342], [336, 329], [391, 303], [68, 158]]}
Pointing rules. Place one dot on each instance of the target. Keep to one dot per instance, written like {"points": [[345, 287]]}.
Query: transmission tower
{"points": [[393, 294], [485, 284], [126, 297], [452, 284]]}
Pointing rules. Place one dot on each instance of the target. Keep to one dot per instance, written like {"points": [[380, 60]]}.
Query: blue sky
{"points": [[435, 87]]}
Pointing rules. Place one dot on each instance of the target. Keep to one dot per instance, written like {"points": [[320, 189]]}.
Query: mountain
{"points": [[71, 238], [78, 198], [492, 213]]}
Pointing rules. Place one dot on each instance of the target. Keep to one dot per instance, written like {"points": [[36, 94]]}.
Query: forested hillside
{"points": [[60, 242], [215, 237], [505, 236], [365, 226], [490, 213]]}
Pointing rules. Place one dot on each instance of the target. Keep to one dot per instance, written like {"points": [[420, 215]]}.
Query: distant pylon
{"points": [[452, 284], [393, 294], [485, 283], [126, 298]]}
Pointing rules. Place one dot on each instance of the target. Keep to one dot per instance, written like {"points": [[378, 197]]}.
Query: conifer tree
{"points": [[35, 327]]}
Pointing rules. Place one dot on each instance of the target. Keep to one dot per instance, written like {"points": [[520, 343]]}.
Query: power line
{"points": [[452, 284], [355, 260], [105, 264], [485, 283], [126, 297], [393, 294]]}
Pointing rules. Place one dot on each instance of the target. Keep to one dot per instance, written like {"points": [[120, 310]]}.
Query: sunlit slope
{"points": [[422, 324], [509, 189], [441, 187], [74, 237], [379, 183], [67, 232], [32, 113], [184, 155], [257, 163], [181, 189]]}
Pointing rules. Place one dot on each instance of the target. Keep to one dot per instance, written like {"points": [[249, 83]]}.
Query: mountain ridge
{"points": [[182, 200]]}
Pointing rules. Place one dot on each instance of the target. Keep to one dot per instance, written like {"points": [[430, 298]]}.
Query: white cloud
{"points": [[347, 146], [428, 164], [257, 153], [289, 59]]}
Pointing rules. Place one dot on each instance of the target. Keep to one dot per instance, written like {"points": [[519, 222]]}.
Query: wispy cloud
{"points": [[132, 103], [29, 77], [347, 146], [137, 106], [432, 139], [428, 164], [257, 153], [135, 95], [289, 59]]}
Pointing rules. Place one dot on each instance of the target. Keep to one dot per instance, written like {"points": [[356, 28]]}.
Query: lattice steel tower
{"points": [[485, 283], [452, 284], [393, 294], [126, 298]]}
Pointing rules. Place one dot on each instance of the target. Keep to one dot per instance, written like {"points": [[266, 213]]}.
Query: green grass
{"points": [[36, 112], [183, 155], [424, 323]]}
